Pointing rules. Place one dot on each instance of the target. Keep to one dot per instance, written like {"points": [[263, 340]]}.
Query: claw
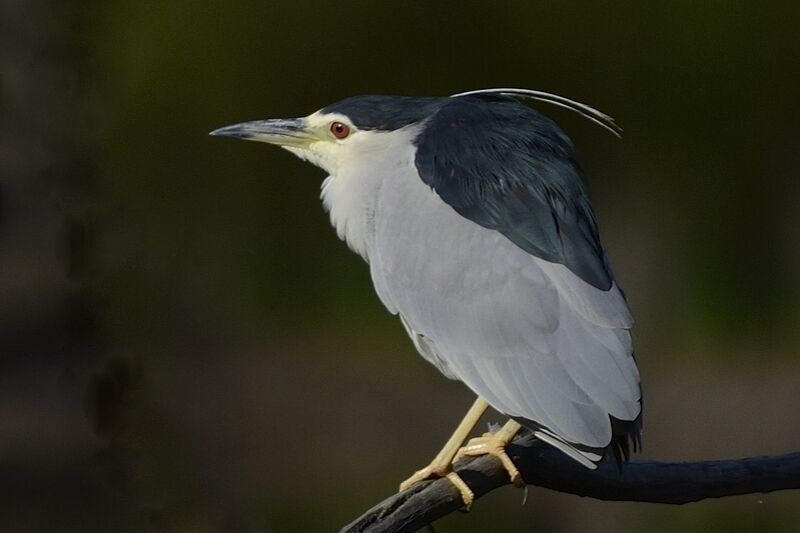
{"points": [[442, 464], [490, 444], [434, 471]]}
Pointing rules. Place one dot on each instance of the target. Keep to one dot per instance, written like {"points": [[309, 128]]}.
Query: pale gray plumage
{"points": [[532, 338], [482, 240]]}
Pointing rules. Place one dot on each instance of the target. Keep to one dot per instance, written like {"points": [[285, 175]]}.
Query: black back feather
{"points": [[508, 168]]}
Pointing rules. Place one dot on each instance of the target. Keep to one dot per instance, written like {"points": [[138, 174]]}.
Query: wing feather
{"points": [[500, 319], [502, 283]]}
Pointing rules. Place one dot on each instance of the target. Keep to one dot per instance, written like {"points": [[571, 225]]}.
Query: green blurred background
{"points": [[186, 345]]}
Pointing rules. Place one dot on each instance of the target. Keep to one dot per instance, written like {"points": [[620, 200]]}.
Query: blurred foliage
{"points": [[245, 376], [708, 140]]}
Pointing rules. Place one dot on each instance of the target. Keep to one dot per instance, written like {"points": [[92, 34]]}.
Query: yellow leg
{"points": [[441, 466], [495, 444]]}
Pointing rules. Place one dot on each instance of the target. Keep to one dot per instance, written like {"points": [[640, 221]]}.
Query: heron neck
{"points": [[351, 192]]}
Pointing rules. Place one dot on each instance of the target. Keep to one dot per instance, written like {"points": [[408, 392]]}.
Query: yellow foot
{"points": [[491, 444], [434, 471]]}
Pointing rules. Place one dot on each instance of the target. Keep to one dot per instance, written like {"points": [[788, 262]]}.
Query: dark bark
{"points": [[543, 466]]}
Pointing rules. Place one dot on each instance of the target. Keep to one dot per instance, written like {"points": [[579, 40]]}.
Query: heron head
{"points": [[354, 130]]}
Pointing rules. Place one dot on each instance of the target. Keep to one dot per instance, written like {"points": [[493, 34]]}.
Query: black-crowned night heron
{"points": [[472, 215]]}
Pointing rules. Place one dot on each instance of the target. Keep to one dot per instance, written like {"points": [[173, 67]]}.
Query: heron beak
{"points": [[290, 132]]}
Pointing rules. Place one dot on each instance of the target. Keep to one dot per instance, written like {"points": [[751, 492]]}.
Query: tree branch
{"points": [[543, 466]]}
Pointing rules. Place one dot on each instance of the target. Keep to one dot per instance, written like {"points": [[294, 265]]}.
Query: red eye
{"points": [[339, 130]]}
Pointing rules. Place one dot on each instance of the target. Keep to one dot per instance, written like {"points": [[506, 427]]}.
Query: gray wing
{"points": [[533, 338]]}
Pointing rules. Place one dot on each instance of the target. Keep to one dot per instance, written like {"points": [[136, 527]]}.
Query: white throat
{"points": [[351, 192]]}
